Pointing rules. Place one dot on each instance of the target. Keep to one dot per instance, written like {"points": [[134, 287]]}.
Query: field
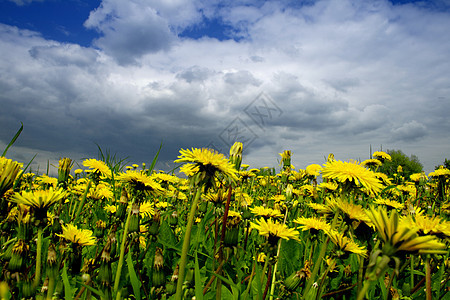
{"points": [[215, 229]]}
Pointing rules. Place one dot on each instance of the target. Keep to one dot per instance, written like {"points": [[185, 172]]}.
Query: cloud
{"points": [[24, 2], [409, 132], [345, 74], [130, 29]]}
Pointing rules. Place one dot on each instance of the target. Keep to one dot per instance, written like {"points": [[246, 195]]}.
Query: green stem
{"points": [[412, 271], [83, 200], [360, 274], [272, 287], [364, 290], [37, 277], [317, 264], [428, 277], [389, 284], [186, 243], [122, 251], [51, 287]]}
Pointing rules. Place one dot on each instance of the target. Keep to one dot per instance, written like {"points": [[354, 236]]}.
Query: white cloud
{"points": [[24, 2], [346, 74]]}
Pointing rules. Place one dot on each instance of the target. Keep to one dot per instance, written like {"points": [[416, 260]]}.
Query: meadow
{"points": [[216, 229]]}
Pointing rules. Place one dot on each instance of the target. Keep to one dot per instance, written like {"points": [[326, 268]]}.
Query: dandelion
{"points": [[97, 167], [9, 170], [313, 224], [313, 169], [147, 209], [286, 159], [383, 156], [371, 163], [81, 237], [266, 212], [345, 244], [140, 182], [274, 230], [78, 239], [210, 165], [65, 165], [389, 202], [352, 172], [39, 200]]}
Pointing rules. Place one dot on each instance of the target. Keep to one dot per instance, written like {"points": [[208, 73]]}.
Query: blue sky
{"points": [[313, 77]]}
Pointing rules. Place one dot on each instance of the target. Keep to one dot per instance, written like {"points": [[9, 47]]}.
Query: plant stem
{"points": [[428, 277], [83, 200], [122, 251], [364, 290], [222, 238], [317, 264], [37, 277], [186, 243]]}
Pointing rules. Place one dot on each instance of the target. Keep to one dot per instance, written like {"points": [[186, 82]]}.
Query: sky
{"points": [[314, 77]]}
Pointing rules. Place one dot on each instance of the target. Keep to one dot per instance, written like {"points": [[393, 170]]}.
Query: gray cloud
{"points": [[410, 132], [345, 74]]}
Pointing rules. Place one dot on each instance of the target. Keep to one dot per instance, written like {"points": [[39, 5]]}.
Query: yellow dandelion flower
{"points": [[441, 171], [371, 163], [312, 223], [278, 198], [274, 230], [163, 177], [111, 208], [416, 177], [399, 236], [313, 169], [424, 224], [39, 199], [353, 211], [189, 169], [331, 186], [210, 164], [46, 180], [346, 244], [82, 237], [147, 209], [389, 202], [97, 166], [243, 199], [382, 155], [140, 181], [9, 170], [352, 172], [266, 212]]}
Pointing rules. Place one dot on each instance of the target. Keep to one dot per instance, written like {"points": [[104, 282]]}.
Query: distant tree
{"points": [[410, 165], [446, 164]]}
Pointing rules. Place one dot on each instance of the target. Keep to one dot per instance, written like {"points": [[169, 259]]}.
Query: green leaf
{"points": [[97, 292], [68, 291], [135, 283], [154, 160], [198, 281], [13, 139]]}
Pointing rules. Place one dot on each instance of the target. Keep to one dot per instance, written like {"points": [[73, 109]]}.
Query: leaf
{"points": [[97, 292], [135, 283], [68, 291], [154, 160], [198, 281], [13, 139]]}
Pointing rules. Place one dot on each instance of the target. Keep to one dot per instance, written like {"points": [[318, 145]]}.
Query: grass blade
{"points": [[198, 283], [13, 139], [135, 283], [68, 292], [154, 160]]}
